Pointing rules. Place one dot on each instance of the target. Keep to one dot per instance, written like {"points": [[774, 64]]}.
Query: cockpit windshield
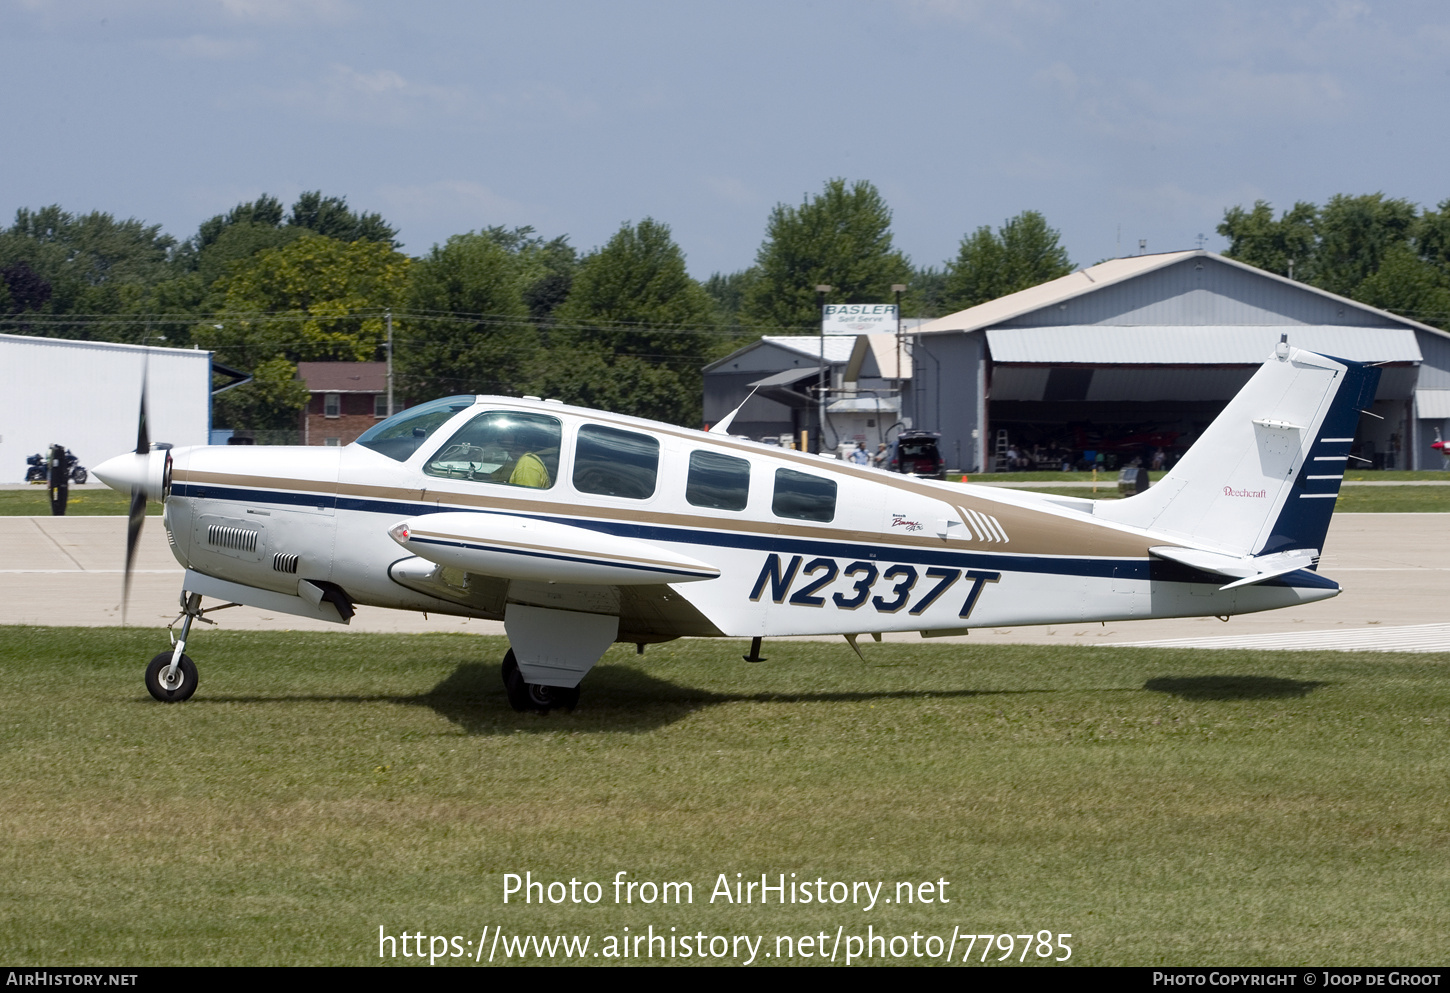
{"points": [[400, 435]]}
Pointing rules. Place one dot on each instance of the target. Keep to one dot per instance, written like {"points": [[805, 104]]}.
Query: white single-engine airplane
{"points": [[579, 529]]}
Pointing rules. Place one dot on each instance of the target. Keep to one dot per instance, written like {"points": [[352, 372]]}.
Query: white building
{"points": [[86, 395]]}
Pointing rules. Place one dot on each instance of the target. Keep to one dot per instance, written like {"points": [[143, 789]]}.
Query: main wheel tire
{"points": [[524, 696], [565, 698], [171, 692], [513, 684]]}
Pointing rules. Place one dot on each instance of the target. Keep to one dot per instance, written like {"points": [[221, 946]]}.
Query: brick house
{"points": [[347, 399]]}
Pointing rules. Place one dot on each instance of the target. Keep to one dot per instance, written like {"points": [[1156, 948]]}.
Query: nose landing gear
{"points": [[169, 679], [171, 676]]}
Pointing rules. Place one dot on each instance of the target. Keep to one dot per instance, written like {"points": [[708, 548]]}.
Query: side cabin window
{"points": [[803, 497], [502, 446], [720, 482], [611, 462]]}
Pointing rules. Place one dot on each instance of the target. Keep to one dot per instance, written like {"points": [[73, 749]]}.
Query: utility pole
{"points": [[821, 290], [388, 318], [898, 289]]}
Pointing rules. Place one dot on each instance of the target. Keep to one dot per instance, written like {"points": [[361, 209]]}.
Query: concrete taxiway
{"points": [[1392, 567]]}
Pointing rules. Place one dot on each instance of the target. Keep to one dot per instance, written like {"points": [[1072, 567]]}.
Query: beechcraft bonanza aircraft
{"points": [[579, 529]]}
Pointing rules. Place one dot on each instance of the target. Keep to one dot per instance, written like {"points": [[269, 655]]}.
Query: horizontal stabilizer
{"points": [[514, 547], [1245, 570]]}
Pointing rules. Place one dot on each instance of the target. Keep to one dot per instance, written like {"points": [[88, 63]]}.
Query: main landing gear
{"points": [[524, 696], [171, 676]]}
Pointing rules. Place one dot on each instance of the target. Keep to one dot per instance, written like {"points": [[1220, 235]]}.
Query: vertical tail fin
{"points": [[1264, 476]]}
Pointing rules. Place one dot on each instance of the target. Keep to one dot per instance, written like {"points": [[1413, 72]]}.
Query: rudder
{"points": [[1264, 475]]}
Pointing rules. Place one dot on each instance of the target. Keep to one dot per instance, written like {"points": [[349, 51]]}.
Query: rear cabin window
{"points": [[611, 462], [502, 446], [803, 497], [720, 482]]}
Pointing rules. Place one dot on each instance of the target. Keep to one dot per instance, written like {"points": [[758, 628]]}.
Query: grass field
{"points": [[96, 502], [1163, 807]]}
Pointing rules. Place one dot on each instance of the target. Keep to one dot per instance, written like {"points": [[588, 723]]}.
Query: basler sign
{"points": [[859, 318]]}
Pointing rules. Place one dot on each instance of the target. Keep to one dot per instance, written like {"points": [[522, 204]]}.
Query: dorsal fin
{"points": [[723, 425]]}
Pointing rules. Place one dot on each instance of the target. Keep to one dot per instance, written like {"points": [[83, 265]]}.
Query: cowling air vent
{"points": [[284, 562], [239, 539]]}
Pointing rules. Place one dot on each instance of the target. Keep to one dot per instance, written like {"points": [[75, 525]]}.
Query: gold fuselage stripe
{"points": [[1032, 532]]}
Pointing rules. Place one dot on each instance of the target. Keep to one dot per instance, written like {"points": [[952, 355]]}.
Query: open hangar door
{"points": [[1060, 396]]}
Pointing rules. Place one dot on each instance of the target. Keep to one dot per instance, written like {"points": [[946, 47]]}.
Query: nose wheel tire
{"points": [[524, 696], [178, 687]]}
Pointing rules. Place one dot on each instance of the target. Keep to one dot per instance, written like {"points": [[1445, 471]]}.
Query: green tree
{"points": [[271, 400], [1355, 233], [1433, 236], [587, 375], [1022, 253], [1384, 252], [469, 330], [1406, 284], [545, 268], [1286, 246], [332, 218], [728, 290], [60, 265], [263, 212], [633, 299], [252, 226], [317, 299], [927, 293], [841, 238], [728, 293]]}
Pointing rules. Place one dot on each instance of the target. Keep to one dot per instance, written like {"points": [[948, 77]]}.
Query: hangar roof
{"points": [[838, 346], [1116, 271], [1180, 345], [344, 377], [1432, 404]]}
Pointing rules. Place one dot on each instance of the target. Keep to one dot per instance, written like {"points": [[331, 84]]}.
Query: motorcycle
{"points": [[38, 469]]}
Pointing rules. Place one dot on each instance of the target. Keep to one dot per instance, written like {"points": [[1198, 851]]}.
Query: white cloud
{"points": [[732, 190], [533, 99], [380, 96], [284, 11], [979, 12], [257, 12], [386, 97], [462, 203], [206, 48]]}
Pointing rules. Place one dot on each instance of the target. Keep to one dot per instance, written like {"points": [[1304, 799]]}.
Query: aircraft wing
{"points": [[526, 548]]}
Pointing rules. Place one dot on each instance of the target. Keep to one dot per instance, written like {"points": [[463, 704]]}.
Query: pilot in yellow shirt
{"points": [[530, 471]]}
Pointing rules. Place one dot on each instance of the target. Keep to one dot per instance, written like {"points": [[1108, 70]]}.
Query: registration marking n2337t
{"points": [[898, 584]]}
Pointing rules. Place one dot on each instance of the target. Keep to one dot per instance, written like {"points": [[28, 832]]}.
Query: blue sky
{"points": [[1119, 121]]}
